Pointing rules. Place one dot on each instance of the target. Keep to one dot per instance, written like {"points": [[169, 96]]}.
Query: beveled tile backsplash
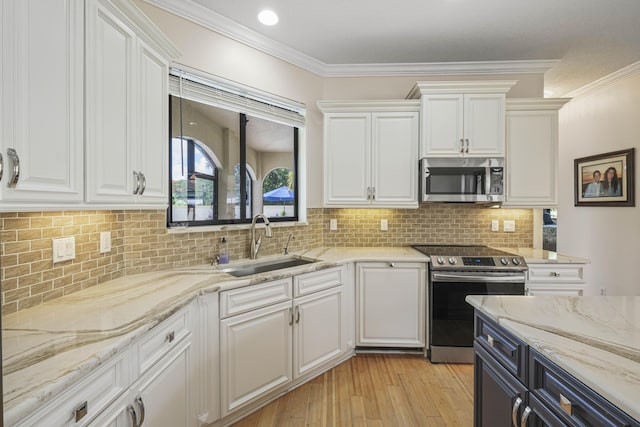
{"points": [[141, 242]]}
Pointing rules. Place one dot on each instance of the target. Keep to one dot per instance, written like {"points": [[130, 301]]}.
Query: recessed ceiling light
{"points": [[268, 17]]}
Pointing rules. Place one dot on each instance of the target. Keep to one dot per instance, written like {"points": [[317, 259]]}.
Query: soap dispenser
{"points": [[223, 256]]}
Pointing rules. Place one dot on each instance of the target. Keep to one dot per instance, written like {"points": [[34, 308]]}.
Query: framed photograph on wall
{"points": [[605, 179]]}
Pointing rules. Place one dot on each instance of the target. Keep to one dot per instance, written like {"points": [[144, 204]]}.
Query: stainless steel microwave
{"points": [[462, 180]]}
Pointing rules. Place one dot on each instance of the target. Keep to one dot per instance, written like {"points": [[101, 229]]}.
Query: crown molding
{"points": [[213, 21], [528, 104], [616, 76]]}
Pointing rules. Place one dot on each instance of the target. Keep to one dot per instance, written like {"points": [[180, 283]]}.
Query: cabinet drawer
{"points": [[308, 283], [158, 341], [504, 347], [241, 300], [87, 398], [572, 401], [557, 273]]}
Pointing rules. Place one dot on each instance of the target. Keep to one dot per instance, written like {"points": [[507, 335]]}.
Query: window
{"points": [[225, 161]]}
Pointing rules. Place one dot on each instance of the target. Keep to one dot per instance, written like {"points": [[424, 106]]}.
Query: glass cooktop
{"points": [[460, 250]]}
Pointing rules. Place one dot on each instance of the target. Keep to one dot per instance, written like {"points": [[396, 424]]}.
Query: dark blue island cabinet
{"points": [[515, 386]]}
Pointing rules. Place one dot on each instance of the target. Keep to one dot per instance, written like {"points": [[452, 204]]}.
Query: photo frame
{"points": [[605, 179]]}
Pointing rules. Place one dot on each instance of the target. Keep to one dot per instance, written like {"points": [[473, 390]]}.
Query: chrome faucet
{"points": [[286, 248], [255, 243]]}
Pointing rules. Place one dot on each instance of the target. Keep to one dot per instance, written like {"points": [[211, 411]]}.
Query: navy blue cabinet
{"points": [[515, 386]]}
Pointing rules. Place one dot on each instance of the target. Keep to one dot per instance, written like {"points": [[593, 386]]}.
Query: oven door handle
{"points": [[488, 278]]}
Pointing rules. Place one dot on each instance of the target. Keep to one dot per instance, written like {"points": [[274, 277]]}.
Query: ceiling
{"points": [[587, 39]]}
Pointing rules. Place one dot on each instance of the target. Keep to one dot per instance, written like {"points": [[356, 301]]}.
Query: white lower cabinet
{"points": [[162, 397], [390, 304], [555, 279], [265, 349]]}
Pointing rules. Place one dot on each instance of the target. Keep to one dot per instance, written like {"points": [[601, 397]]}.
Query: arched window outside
{"points": [[278, 193], [193, 183]]}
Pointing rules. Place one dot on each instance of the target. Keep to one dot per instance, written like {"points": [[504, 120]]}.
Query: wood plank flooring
{"points": [[378, 390]]}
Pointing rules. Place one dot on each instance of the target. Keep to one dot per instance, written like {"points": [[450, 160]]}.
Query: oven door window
{"points": [[451, 316]]}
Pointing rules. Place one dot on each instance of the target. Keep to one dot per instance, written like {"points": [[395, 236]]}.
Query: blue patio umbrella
{"points": [[281, 194]]}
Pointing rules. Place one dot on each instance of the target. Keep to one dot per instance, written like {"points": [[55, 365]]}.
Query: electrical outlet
{"points": [[495, 225], [384, 225], [509, 226], [105, 242], [64, 249], [333, 224]]}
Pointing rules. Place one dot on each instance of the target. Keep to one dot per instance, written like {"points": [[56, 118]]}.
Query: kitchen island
{"points": [[596, 340]]}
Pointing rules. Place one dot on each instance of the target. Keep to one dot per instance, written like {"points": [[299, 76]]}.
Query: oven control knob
{"points": [[440, 260], [515, 261], [504, 261], [452, 260]]}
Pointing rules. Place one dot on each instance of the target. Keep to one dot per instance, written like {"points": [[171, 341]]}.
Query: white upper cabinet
{"points": [[127, 102], [532, 152], [370, 153], [462, 118], [41, 108]]}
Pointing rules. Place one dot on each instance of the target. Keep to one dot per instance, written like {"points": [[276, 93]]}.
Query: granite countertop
{"points": [[595, 339], [541, 256], [48, 348]]}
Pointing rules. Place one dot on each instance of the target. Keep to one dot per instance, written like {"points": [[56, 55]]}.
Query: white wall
{"points": [[600, 121]]}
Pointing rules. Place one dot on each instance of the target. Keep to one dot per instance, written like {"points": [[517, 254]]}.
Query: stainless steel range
{"points": [[455, 272]]}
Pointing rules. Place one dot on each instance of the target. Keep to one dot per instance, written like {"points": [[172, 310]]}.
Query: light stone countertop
{"points": [[541, 256], [595, 339], [50, 347]]}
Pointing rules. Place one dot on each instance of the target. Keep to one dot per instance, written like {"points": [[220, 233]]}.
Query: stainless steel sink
{"points": [[265, 266]]}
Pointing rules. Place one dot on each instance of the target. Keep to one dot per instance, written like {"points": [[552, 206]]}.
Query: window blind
{"points": [[232, 96]]}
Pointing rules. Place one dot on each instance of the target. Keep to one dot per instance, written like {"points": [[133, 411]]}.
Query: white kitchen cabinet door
{"points": [[152, 152], [127, 113], [390, 304], [41, 110], [120, 413], [111, 112], [442, 125], [164, 396], [255, 354], [318, 330], [370, 154], [484, 124], [347, 154], [394, 159], [457, 125], [532, 153]]}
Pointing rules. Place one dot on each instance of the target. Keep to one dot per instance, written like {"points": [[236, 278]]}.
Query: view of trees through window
{"points": [[278, 193]]}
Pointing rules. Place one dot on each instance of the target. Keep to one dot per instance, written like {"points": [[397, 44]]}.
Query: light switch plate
{"points": [[495, 225], [64, 249], [333, 224], [384, 225], [105, 242], [509, 226]]}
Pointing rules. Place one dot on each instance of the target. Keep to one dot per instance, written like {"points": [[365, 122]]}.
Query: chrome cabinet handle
{"points": [[15, 160], [392, 264], [373, 193], [170, 336], [555, 274], [132, 414], [461, 145], [467, 149], [144, 183], [290, 316], [368, 193], [514, 412], [141, 404], [1, 166], [525, 416], [297, 314], [136, 176], [491, 341], [81, 411], [566, 405]]}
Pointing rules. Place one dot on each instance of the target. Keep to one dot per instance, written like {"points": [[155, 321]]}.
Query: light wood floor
{"points": [[376, 390]]}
